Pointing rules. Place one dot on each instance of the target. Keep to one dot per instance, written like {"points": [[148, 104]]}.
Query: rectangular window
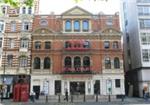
{"points": [[144, 10], [13, 26], [25, 26], [23, 62], [109, 21], [10, 60], [145, 23], [24, 43], [11, 43], [0, 42], [106, 44], [145, 38], [143, 1], [1, 26], [146, 55], [47, 45], [117, 83]]}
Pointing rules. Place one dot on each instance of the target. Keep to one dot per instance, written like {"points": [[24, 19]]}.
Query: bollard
{"points": [[72, 98], [46, 100], [84, 98], [122, 98], [58, 97], [96, 97], [109, 99]]}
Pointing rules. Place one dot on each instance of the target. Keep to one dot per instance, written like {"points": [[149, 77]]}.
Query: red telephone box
{"points": [[16, 93], [21, 92], [24, 92]]}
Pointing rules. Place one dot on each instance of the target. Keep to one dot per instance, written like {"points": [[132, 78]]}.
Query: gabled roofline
{"points": [[77, 8]]}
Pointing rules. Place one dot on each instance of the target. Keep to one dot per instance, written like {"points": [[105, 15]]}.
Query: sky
{"points": [[60, 6]]}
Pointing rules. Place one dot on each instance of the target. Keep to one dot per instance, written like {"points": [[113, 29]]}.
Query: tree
{"points": [[18, 3]]}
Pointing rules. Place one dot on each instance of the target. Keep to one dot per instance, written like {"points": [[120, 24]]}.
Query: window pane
{"points": [[68, 25], [106, 44], [29, 10], [47, 45], [23, 62], [85, 25], [76, 25], [117, 83], [13, 26], [10, 60], [24, 43], [145, 55], [38, 45]]}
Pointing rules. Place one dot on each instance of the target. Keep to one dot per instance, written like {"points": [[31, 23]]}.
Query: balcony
{"points": [[77, 70], [77, 45]]}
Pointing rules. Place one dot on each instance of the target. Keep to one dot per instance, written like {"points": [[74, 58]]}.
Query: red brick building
{"points": [[77, 51]]}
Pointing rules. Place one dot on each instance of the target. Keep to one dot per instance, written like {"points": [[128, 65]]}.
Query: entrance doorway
{"points": [[77, 87], [36, 89], [97, 87], [57, 87]]}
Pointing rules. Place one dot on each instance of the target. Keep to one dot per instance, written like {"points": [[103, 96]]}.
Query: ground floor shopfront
{"points": [[78, 84]]}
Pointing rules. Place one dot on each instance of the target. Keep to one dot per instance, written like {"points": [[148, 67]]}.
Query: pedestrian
{"points": [[145, 93], [1, 93], [66, 95], [32, 95]]}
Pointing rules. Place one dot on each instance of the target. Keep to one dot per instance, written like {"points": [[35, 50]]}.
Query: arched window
{"points": [[116, 63], [37, 63], [85, 25], [37, 45], [24, 10], [29, 10], [76, 25], [77, 62], [115, 45], [107, 63], [68, 25], [47, 63], [68, 62], [86, 61]]}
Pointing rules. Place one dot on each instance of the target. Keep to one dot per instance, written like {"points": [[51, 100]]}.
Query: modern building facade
{"points": [[16, 56], [77, 51], [136, 28]]}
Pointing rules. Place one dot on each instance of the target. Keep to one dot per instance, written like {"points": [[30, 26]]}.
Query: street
{"points": [[127, 101]]}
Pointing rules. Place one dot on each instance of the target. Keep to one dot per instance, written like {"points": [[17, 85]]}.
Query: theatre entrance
{"points": [[77, 87]]}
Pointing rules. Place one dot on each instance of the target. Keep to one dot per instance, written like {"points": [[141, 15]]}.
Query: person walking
{"points": [[66, 95], [32, 95]]}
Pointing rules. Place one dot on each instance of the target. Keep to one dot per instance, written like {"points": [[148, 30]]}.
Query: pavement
{"points": [[127, 101]]}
